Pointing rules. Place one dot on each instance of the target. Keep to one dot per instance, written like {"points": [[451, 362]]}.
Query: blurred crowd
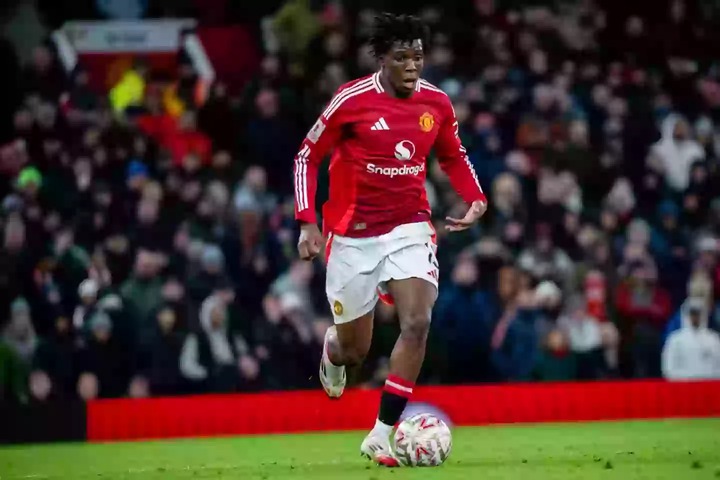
{"points": [[149, 246]]}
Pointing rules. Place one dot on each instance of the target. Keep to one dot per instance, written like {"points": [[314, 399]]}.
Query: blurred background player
{"points": [[380, 241]]}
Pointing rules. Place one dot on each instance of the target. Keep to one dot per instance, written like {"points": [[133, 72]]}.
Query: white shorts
{"points": [[358, 268]]}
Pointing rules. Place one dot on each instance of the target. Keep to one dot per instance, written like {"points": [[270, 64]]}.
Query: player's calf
{"points": [[414, 299], [349, 343], [409, 351], [405, 364]]}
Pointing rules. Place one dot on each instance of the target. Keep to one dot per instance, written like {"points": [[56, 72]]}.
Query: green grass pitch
{"points": [[672, 449]]}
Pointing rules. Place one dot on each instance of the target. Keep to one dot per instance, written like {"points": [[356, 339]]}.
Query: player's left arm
{"points": [[455, 163]]}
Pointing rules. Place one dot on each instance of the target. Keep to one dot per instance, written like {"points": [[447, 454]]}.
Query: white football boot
{"points": [[332, 377], [377, 448]]}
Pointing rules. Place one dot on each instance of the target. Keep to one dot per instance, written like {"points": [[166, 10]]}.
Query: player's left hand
{"points": [[476, 210]]}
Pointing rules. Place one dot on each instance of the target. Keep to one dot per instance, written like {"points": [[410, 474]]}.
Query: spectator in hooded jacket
{"points": [[693, 352], [699, 288], [217, 358], [673, 155]]}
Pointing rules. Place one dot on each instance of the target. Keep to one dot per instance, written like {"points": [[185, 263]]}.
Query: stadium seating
{"points": [[147, 206]]}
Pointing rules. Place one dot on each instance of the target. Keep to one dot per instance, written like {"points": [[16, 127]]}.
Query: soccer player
{"points": [[380, 241]]}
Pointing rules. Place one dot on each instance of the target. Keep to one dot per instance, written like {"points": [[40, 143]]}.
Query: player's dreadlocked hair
{"points": [[390, 28]]}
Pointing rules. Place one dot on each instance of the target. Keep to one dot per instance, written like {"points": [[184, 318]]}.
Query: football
{"points": [[422, 440]]}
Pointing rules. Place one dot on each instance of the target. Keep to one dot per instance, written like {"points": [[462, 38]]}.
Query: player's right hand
{"points": [[310, 241]]}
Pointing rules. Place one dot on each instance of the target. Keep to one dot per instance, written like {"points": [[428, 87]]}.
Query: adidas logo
{"points": [[380, 125]]}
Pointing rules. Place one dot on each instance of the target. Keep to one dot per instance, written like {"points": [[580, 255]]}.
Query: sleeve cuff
{"points": [[306, 216]]}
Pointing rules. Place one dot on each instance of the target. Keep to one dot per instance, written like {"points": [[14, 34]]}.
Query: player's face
{"points": [[403, 65]]}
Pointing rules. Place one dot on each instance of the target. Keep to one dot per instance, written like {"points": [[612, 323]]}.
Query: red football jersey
{"points": [[378, 166]]}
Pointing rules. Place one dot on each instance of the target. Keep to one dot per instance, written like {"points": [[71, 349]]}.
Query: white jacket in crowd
{"points": [[693, 352], [676, 156]]}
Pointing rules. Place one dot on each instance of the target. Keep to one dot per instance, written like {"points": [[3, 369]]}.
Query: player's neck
{"points": [[390, 90]]}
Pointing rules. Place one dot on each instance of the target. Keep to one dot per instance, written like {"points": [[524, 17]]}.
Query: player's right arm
{"points": [[320, 139]]}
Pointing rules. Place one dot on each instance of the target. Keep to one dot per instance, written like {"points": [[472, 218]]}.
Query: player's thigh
{"points": [[351, 286], [414, 300], [411, 274]]}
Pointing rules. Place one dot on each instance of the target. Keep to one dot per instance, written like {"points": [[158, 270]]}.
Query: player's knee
{"points": [[415, 327]]}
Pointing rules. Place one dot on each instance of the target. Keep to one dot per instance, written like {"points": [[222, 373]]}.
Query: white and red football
{"points": [[422, 440]]}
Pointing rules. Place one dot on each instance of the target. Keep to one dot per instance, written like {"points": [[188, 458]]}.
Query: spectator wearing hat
{"points": [[29, 182], [103, 364], [548, 301], [210, 274], [137, 176]]}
